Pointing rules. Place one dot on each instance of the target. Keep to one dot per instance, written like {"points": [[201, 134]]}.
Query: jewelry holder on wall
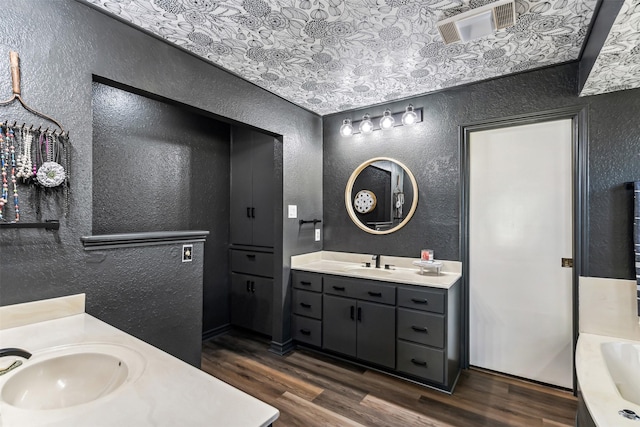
{"points": [[30, 157]]}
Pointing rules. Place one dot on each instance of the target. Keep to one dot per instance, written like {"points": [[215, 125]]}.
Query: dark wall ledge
{"points": [[108, 241]]}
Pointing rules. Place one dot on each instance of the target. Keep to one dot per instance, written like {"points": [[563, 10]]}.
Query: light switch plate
{"points": [[293, 211], [187, 253], [317, 234]]}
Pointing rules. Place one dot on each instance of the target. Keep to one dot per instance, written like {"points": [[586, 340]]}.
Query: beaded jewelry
{"points": [[3, 168], [11, 142], [24, 159]]}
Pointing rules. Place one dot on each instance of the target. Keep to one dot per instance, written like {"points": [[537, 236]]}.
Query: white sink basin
{"points": [[623, 363], [369, 271], [69, 376]]}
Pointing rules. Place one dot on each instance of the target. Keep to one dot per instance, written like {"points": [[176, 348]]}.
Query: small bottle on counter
{"points": [[426, 254]]}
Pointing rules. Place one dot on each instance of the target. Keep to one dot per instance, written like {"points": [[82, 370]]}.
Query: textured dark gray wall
{"points": [[150, 293], [62, 43], [159, 167], [431, 150]]}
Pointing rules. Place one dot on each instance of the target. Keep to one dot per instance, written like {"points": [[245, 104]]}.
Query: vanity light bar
{"points": [[355, 125]]}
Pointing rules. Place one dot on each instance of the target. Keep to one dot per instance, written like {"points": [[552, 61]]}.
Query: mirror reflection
{"points": [[381, 195]]}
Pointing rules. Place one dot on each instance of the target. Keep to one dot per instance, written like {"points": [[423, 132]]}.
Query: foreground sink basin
{"points": [[69, 376], [623, 363]]}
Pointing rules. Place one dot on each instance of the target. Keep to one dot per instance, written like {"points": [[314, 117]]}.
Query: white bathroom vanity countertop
{"points": [[597, 387], [402, 270], [168, 392]]}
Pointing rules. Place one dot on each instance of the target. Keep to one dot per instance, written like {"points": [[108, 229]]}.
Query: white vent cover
{"points": [[478, 22]]}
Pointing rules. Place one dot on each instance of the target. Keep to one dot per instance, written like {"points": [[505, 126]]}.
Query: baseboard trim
{"points": [[281, 348], [216, 331]]}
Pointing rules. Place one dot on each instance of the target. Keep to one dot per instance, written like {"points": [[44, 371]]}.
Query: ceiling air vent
{"points": [[478, 22]]}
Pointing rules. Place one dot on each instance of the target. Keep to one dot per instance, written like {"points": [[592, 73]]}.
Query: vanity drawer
{"points": [[376, 292], [422, 299], [306, 281], [342, 287], [421, 327], [249, 262], [308, 331], [421, 361], [307, 303]]}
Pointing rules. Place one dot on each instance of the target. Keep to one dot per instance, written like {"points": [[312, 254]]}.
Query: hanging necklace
{"points": [[12, 148], [50, 173], [3, 168], [24, 159]]}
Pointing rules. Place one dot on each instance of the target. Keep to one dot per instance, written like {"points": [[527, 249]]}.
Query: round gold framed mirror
{"points": [[381, 195]]}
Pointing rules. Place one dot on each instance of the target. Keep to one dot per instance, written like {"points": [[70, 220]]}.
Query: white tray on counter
{"points": [[428, 266]]}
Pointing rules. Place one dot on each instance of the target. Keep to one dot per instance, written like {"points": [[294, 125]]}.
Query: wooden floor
{"points": [[314, 390]]}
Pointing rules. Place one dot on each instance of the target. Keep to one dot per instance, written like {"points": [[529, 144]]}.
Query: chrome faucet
{"points": [[377, 260], [13, 352]]}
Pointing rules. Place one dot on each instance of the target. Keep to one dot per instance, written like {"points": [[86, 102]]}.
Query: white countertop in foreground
{"points": [[403, 271], [596, 385], [169, 392]]}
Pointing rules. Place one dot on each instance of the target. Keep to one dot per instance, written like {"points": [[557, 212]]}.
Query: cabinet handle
{"points": [[305, 332], [253, 286], [419, 362], [251, 256], [420, 329], [352, 312], [248, 285], [305, 305], [305, 283], [338, 288], [248, 212], [420, 301], [375, 294], [359, 314], [253, 212]]}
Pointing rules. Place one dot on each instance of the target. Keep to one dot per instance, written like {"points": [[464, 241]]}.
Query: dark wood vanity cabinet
{"points": [[307, 300], [408, 330]]}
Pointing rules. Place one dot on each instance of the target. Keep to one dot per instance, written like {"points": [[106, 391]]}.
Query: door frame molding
{"points": [[580, 186]]}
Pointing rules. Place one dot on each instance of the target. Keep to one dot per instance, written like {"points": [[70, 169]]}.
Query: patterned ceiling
{"points": [[335, 55], [618, 64]]}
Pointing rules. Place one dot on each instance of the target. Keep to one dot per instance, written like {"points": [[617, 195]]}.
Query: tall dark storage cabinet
{"points": [[251, 229], [251, 188]]}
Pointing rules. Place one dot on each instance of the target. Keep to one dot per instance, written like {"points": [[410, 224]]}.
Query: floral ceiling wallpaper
{"points": [[335, 55], [618, 64]]}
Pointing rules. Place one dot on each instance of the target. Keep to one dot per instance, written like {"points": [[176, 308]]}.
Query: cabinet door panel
{"points": [[338, 327], [263, 189], [241, 223], [376, 333], [262, 293], [242, 307]]}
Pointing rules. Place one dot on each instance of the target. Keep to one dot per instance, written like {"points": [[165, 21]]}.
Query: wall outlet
{"points": [[187, 253], [317, 234], [293, 211]]}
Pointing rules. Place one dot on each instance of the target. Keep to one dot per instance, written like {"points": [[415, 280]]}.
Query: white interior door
{"points": [[520, 226]]}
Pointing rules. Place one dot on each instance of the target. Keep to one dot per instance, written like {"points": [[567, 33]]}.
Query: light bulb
{"points": [[387, 120], [365, 125], [409, 117], [346, 129]]}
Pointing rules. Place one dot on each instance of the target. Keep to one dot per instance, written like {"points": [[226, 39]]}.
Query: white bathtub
{"points": [[608, 372]]}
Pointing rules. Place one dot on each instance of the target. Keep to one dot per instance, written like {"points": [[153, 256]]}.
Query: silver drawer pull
{"points": [[419, 362], [420, 329]]}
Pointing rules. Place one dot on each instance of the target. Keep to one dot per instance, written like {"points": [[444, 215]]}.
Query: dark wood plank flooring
{"points": [[311, 389]]}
